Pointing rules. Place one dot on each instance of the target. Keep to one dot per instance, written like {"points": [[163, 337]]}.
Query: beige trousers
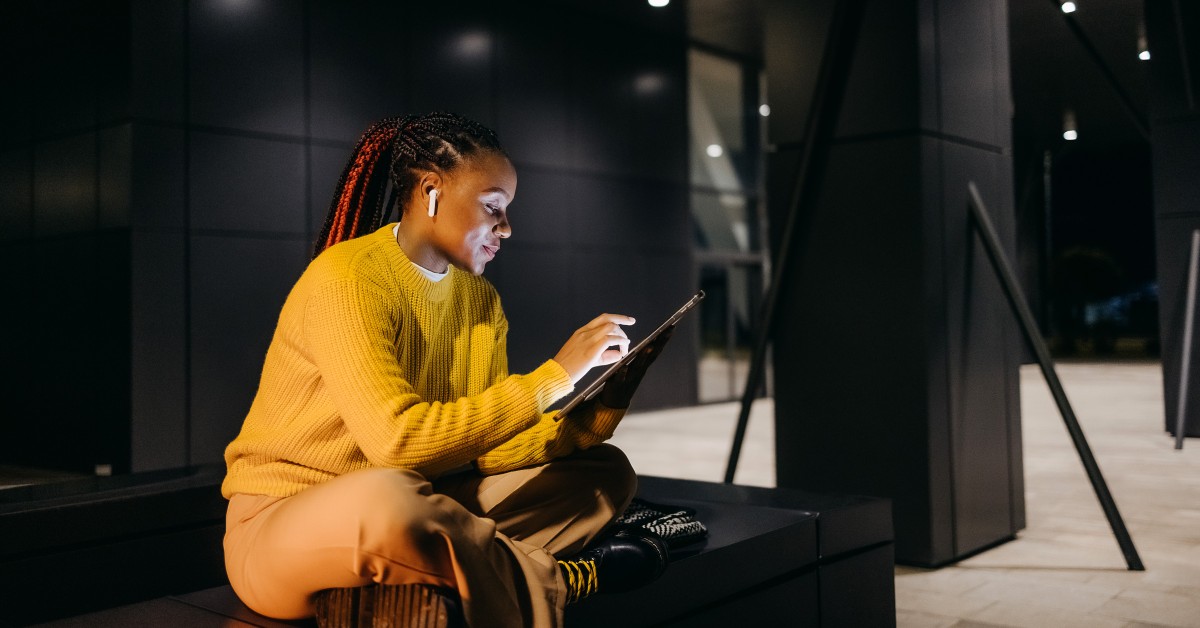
{"points": [[493, 539]]}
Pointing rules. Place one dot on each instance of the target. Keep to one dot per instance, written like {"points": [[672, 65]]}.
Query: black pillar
{"points": [[1173, 29], [895, 355]]}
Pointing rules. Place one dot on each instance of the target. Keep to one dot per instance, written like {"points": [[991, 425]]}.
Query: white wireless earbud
{"points": [[432, 203]]}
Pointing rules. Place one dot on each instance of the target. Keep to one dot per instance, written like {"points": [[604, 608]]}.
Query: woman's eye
{"points": [[491, 209]]}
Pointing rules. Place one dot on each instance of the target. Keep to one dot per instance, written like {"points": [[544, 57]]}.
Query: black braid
{"points": [[411, 145], [439, 142]]}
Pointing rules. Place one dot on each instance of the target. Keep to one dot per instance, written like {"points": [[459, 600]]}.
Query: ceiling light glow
{"points": [[1144, 55], [648, 83], [1068, 7], [714, 150], [473, 45], [658, 4], [764, 110], [1070, 129]]}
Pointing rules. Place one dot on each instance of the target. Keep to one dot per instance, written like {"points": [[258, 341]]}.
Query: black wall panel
{"points": [[533, 73], [668, 282], [970, 74], [357, 66], [451, 62], [64, 185], [239, 183], [325, 165], [16, 194], [114, 176], [157, 198], [238, 286], [246, 65], [65, 48], [157, 80], [18, 30], [77, 411], [546, 211], [18, 282], [881, 92], [159, 349], [797, 32], [627, 213], [533, 282]]}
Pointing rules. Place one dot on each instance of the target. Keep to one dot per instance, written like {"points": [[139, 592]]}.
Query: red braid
{"points": [[361, 187]]}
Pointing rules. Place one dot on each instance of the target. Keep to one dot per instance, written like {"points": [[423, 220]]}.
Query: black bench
{"points": [[773, 557]]}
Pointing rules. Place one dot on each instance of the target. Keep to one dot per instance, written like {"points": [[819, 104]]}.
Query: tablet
{"points": [[594, 388]]}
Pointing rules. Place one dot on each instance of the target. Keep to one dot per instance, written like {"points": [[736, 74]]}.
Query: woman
{"points": [[388, 444]]}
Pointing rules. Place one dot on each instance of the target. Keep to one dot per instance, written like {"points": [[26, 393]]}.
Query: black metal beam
{"points": [[1189, 322], [1008, 281], [827, 98]]}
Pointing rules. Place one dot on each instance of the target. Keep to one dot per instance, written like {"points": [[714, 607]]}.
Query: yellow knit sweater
{"points": [[374, 365]]}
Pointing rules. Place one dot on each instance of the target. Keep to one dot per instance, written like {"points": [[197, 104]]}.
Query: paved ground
{"points": [[1065, 568]]}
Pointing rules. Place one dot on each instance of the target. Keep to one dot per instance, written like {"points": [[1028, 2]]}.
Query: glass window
{"points": [[727, 216]]}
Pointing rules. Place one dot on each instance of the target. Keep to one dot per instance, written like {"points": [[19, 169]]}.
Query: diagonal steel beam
{"points": [[827, 98], [1008, 281]]}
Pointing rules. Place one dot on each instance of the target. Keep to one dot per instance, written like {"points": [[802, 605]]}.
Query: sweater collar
{"points": [[407, 273]]}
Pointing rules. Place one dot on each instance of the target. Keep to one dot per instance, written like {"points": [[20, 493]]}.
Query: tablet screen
{"points": [[594, 387]]}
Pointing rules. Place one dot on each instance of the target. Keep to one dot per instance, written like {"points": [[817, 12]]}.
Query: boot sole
{"points": [[387, 606]]}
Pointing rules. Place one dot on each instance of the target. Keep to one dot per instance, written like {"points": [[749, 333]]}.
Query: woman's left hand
{"points": [[618, 390]]}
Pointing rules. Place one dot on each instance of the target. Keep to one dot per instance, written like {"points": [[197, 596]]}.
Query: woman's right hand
{"points": [[600, 342]]}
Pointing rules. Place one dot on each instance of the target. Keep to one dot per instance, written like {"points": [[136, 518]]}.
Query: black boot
{"points": [[628, 558]]}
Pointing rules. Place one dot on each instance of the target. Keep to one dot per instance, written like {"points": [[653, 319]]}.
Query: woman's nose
{"points": [[503, 229]]}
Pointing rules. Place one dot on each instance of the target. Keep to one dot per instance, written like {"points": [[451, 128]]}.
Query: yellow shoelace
{"points": [[581, 578]]}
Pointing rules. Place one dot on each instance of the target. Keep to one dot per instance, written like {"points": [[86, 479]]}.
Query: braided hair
{"points": [[410, 146]]}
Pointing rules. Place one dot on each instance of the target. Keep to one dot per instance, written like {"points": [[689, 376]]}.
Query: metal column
{"points": [[1189, 322]]}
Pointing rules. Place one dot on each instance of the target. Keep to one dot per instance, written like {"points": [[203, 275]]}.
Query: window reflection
{"points": [[724, 98]]}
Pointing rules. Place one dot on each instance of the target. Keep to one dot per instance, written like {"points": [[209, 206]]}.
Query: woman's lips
{"points": [[491, 251]]}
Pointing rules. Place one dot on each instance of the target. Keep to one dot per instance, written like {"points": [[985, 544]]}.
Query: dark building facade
{"points": [[165, 165]]}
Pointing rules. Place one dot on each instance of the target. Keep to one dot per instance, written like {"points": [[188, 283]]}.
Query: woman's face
{"points": [[472, 211]]}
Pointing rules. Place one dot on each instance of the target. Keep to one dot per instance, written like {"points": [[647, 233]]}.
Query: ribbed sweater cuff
{"points": [[552, 382], [603, 422]]}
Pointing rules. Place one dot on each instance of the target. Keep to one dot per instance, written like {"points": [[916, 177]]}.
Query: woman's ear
{"points": [[429, 187]]}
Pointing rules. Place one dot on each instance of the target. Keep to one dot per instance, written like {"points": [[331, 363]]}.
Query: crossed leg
{"points": [[493, 539]]}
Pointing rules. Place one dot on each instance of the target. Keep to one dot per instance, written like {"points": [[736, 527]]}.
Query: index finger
{"points": [[619, 319]]}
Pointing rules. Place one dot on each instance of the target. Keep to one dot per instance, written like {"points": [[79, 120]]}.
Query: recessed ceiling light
{"points": [[714, 150], [1067, 7], [1070, 129], [764, 110], [658, 4]]}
